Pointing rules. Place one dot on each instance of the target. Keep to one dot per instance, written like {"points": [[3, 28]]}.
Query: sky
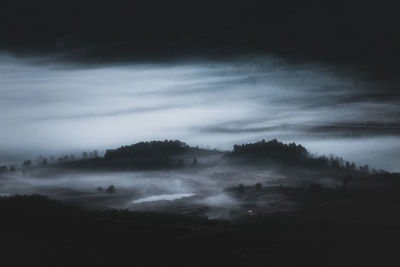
{"points": [[50, 107]]}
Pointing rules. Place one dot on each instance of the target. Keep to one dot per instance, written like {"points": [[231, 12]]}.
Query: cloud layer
{"points": [[48, 107]]}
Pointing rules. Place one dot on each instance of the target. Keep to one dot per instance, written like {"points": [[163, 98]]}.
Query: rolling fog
{"points": [[201, 191], [50, 108]]}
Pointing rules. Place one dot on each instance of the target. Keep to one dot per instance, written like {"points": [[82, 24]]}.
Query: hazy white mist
{"points": [[52, 108]]}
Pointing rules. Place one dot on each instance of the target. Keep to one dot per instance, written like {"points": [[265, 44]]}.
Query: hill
{"points": [[36, 231], [174, 154]]}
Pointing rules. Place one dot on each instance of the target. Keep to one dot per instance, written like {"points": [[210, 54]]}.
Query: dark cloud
{"points": [[244, 130], [332, 130], [356, 129], [358, 33]]}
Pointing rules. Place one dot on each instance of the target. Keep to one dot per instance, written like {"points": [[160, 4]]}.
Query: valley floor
{"points": [[329, 227]]}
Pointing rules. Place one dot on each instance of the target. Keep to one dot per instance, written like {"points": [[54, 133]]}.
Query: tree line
{"points": [[161, 154], [152, 148], [296, 154]]}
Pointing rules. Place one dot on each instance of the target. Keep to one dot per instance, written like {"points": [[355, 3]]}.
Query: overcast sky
{"points": [[52, 108]]}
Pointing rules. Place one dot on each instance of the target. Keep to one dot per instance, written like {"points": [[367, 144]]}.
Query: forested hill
{"points": [[291, 154], [153, 148], [152, 155], [171, 154]]}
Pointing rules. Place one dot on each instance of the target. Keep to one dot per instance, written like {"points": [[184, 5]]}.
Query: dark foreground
{"points": [[332, 227]]}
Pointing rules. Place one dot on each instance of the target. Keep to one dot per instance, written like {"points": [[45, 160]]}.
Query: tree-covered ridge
{"points": [[293, 154], [273, 149], [152, 148], [177, 154]]}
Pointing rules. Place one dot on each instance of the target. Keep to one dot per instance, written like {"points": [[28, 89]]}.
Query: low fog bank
{"points": [[205, 191], [171, 176], [49, 107]]}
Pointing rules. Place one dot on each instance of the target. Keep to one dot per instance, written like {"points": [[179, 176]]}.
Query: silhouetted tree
{"points": [[12, 169], [335, 162], [348, 165], [27, 163], [352, 166], [111, 189], [84, 155]]}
